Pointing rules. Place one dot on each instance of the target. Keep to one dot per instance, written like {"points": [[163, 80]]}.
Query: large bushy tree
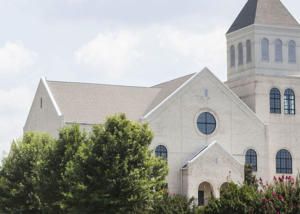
{"points": [[31, 177], [115, 172], [111, 170]]}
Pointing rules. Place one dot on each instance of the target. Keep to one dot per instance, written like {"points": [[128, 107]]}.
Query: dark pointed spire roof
{"points": [[264, 12]]}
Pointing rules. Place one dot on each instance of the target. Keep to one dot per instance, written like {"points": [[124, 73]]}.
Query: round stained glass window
{"points": [[206, 123]]}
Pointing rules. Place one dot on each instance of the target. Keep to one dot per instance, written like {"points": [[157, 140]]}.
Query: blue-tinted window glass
{"points": [[251, 157], [161, 151], [289, 101], [206, 123], [283, 162], [275, 105]]}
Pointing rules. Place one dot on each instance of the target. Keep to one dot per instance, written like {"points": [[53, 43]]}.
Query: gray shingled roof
{"points": [[167, 88], [264, 12], [91, 103]]}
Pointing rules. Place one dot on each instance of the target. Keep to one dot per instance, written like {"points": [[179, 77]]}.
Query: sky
{"points": [[120, 42]]}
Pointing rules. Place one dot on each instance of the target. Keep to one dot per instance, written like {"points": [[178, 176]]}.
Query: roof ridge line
{"points": [[99, 84], [255, 13], [171, 80]]}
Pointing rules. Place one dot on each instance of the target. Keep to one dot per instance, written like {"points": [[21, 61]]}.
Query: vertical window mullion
{"points": [[205, 123]]}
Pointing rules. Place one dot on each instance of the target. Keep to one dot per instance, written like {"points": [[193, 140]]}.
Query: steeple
{"points": [[264, 12], [263, 40]]}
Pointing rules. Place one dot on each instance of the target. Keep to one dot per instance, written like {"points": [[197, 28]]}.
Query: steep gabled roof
{"points": [[91, 103], [264, 12]]}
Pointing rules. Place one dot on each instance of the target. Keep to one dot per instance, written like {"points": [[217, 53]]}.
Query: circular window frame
{"points": [[206, 123], [206, 110]]}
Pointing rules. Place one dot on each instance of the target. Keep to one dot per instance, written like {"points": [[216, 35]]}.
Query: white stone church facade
{"points": [[205, 128]]}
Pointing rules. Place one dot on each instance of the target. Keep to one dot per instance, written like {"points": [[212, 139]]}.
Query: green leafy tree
{"points": [[115, 172], [20, 175], [31, 177], [250, 179], [111, 170]]}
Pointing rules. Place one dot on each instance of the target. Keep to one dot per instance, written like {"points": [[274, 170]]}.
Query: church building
{"points": [[206, 129]]}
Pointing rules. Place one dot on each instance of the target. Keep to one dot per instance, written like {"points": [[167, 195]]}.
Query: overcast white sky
{"points": [[127, 42]]}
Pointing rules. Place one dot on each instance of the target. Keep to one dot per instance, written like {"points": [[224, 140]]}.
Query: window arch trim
{"points": [[284, 166], [284, 148], [245, 151]]}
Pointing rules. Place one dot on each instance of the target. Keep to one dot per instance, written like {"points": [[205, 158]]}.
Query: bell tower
{"points": [[264, 40]]}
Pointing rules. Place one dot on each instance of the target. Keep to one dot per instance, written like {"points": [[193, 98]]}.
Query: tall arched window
{"points": [[265, 50], [240, 47], [232, 56], [248, 50], [289, 101], [275, 104], [278, 51], [161, 151], [251, 157], [284, 162], [292, 51]]}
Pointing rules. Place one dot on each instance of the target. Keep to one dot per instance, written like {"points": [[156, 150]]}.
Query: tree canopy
{"points": [[110, 170]]}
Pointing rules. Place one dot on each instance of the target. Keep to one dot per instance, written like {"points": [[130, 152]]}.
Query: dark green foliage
{"points": [[173, 204], [31, 178], [21, 178], [250, 179], [233, 199], [110, 171], [115, 172]]}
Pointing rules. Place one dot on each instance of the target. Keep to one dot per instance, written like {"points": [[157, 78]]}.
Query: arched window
{"points": [[284, 162], [275, 104], [292, 52], [241, 54], [265, 50], [289, 101], [278, 51], [248, 49], [232, 56], [251, 157], [161, 151]]}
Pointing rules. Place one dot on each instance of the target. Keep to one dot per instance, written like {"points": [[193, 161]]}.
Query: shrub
{"points": [[281, 197], [171, 203], [249, 177]]}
